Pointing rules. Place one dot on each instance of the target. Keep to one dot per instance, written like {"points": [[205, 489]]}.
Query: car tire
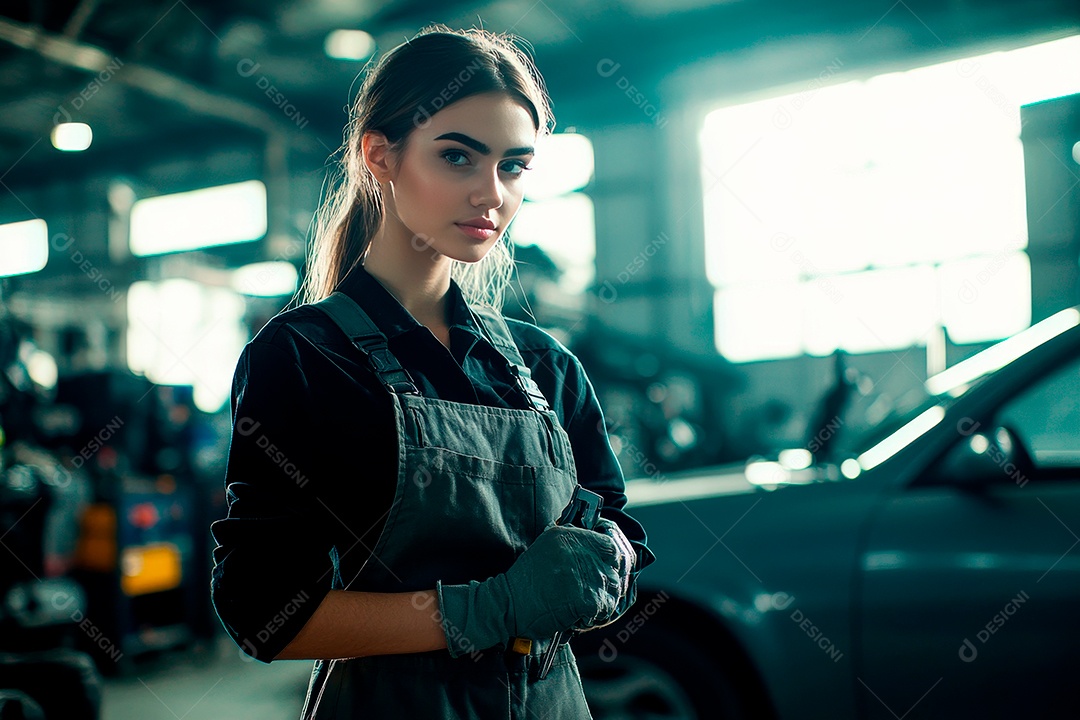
{"points": [[653, 674]]}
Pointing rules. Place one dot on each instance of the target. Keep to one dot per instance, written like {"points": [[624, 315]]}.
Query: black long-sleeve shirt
{"points": [[313, 454]]}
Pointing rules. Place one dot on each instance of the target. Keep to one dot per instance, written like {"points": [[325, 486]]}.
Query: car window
{"points": [[872, 418], [863, 434], [1046, 417], [863, 430]]}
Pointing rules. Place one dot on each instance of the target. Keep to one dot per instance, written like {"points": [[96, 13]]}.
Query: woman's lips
{"points": [[475, 232]]}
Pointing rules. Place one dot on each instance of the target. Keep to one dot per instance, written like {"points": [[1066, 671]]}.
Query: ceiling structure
{"points": [[183, 75]]}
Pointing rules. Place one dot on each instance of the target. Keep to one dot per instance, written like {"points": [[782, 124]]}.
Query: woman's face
{"points": [[464, 166]]}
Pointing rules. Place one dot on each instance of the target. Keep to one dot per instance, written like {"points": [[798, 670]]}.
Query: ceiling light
{"points": [[349, 45], [72, 137]]}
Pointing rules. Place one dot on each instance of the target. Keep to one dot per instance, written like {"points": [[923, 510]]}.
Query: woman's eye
{"points": [[457, 158], [451, 154], [517, 164]]}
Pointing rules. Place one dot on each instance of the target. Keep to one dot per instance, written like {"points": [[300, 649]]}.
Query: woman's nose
{"points": [[489, 190]]}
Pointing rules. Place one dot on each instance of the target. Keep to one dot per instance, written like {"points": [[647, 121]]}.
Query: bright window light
{"points": [[72, 137], [885, 309], [266, 279], [563, 164], [24, 247], [200, 218], [756, 319], [978, 299], [867, 215], [184, 333], [565, 229]]}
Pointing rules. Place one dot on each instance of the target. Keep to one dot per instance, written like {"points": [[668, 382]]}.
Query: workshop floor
{"points": [[212, 686]]}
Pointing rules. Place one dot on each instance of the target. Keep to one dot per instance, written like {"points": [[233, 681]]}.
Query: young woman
{"points": [[400, 451]]}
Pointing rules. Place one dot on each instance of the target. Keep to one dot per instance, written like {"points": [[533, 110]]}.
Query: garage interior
{"points": [[762, 228]]}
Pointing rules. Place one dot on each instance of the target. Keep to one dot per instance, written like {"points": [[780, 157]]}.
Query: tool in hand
{"points": [[582, 511]]}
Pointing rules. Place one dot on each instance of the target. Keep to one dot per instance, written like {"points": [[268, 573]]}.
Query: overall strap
{"points": [[369, 340], [498, 334]]}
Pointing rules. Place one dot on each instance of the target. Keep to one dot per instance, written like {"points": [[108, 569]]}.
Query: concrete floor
{"points": [[208, 686]]}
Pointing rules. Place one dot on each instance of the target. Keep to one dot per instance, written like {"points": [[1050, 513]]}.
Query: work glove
{"points": [[626, 553], [568, 576], [627, 558]]}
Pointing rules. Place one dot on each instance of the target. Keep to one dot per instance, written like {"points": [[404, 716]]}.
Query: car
{"points": [[930, 572]]}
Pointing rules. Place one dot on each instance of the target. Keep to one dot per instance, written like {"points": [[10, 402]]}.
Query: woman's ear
{"points": [[375, 150]]}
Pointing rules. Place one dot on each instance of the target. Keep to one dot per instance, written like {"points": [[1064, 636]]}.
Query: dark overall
{"points": [[475, 486]]}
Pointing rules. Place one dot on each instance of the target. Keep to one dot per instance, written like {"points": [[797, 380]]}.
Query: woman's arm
{"points": [[353, 624], [568, 575], [277, 553], [598, 468]]}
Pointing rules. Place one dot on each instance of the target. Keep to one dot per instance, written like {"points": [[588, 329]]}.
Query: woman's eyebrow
{"points": [[481, 147]]}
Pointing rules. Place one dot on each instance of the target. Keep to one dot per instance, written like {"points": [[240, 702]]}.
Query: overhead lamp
{"points": [[349, 45], [72, 137]]}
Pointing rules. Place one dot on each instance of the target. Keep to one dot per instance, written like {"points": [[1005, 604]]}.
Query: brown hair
{"points": [[409, 84]]}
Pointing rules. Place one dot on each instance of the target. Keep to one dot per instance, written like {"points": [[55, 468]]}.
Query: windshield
{"points": [[860, 431], [871, 417]]}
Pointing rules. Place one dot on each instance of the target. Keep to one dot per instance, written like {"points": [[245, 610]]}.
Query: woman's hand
{"points": [[626, 554], [627, 558], [568, 576]]}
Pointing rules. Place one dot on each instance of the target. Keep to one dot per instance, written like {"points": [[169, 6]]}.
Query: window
{"points": [[556, 217], [199, 218], [867, 215], [1046, 418], [183, 333], [24, 247]]}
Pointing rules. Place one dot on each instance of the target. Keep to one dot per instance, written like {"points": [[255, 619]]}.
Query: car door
{"points": [[970, 591]]}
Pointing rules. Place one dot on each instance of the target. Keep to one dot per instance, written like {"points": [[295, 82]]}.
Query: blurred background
{"points": [[752, 218]]}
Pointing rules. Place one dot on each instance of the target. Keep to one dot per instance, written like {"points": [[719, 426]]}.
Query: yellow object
{"points": [[522, 645], [150, 568]]}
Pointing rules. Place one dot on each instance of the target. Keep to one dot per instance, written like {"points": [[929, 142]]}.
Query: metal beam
{"points": [[175, 90]]}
